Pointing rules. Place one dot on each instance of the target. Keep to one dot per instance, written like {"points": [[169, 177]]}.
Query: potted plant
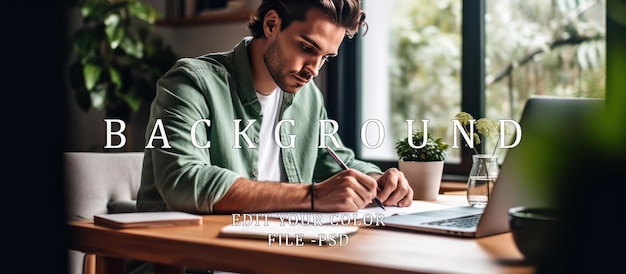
{"points": [[421, 160], [116, 59]]}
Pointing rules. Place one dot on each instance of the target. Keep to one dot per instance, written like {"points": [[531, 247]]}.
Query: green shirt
{"points": [[219, 87]]}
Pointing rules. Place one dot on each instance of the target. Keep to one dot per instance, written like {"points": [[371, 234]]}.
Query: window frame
{"points": [[344, 87]]}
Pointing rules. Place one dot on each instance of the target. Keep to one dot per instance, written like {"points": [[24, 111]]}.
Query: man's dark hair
{"points": [[346, 13]]}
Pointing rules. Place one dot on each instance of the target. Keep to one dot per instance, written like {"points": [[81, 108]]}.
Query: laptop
{"points": [[522, 181]]}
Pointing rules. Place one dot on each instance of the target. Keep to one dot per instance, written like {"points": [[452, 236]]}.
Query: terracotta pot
{"points": [[423, 177]]}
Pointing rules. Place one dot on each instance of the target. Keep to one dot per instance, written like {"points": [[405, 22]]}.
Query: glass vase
{"points": [[482, 177]]}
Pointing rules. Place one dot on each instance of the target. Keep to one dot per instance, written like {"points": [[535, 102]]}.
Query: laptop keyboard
{"points": [[461, 222]]}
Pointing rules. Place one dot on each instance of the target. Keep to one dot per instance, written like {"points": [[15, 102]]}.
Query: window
{"points": [[411, 70], [431, 59], [539, 47]]}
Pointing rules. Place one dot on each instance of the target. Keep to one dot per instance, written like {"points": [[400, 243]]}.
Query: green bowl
{"points": [[534, 231]]}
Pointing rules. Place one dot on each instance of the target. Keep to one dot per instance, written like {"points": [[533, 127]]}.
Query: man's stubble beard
{"points": [[273, 61]]}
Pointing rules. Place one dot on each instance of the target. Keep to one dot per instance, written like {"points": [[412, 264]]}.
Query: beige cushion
{"points": [[99, 183]]}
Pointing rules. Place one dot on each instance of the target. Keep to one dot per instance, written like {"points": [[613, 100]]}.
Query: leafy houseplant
{"points": [[117, 60], [432, 150], [421, 159]]}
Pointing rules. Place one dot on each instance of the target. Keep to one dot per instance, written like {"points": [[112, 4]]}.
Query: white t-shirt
{"points": [[270, 166]]}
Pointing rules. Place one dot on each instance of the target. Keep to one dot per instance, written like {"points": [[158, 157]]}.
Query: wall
{"points": [[87, 132]]}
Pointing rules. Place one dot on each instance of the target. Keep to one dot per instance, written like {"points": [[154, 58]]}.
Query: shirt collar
{"points": [[245, 82]]}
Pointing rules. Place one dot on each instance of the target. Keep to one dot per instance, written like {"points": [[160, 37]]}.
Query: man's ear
{"points": [[271, 23]]}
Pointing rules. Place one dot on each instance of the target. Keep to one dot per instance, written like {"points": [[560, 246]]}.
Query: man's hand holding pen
{"points": [[348, 190], [351, 190], [395, 188]]}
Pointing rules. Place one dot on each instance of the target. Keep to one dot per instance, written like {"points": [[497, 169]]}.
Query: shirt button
{"points": [[256, 140], [255, 173]]}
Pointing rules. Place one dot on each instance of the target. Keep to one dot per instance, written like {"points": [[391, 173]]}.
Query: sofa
{"points": [[98, 183]]}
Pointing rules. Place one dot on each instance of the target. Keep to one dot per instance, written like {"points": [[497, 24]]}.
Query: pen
{"points": [[345, 167]]}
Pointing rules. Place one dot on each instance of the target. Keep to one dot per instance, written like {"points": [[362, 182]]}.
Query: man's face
{"points": [[296, 54]]}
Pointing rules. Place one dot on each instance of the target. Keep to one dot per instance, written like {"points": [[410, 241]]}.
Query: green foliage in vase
{"points": [[433, 149], [117, 59], [484, 129]]}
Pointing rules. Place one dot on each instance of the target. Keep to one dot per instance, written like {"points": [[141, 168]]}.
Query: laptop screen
{"points": [[528, 171]]}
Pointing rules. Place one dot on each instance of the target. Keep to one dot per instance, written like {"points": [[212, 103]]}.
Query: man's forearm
{"points": [[250, 196]]}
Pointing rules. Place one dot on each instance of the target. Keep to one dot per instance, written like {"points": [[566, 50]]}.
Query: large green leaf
{"points": [[92, 74], [133, 47], [98, 96], [114, 29], [87, 7], [133, 101], [86, 43], [116, 78], [94, 9], [143, 12], [129, 95]]}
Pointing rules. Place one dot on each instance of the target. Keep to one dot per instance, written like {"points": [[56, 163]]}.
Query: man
{"points": [[240, 131]]}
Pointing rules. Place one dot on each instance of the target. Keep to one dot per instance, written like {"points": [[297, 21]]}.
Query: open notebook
{"points": [[368, 216], [278, 232], [544, 120], [284, 228]]}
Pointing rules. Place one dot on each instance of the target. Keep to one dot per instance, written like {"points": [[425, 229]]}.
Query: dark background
{"points": [[32, 87]]}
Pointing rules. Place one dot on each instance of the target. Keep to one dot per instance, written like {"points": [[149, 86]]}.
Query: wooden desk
{"points": [[370, 250], [450, 186]]}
